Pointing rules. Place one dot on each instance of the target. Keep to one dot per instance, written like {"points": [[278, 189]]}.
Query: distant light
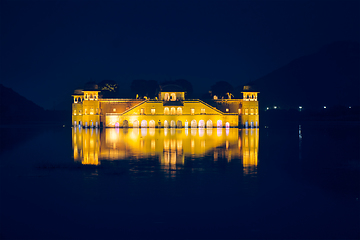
{"points": [[275, 107], [267, 108], [300, 107], [114, 109], [227, 109], [349, 106], [324, 106]]}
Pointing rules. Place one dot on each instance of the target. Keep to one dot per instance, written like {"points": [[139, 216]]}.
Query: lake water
{"points": [[290, 181]]}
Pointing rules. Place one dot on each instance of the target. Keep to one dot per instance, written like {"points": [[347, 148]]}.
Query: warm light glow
{"points": [[227, 110], [324, 106]]}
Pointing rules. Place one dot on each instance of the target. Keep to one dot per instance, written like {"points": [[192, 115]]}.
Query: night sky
{"points": [[49, 48]]}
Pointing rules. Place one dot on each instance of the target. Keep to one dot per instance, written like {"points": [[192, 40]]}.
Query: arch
{"points": [[246, 124], [125, 123], [173, 111], [74, 123], [166, 124], [209, 124], [85, 124], [143, 123], [219, 124], [80, 123], [227, 124], [186, 124], [136, 124], [172, 124], [193, 124], [152, 124], [179, 111], [96, 124], [91, 96], [166, 97], [92, 124], [166, 111], [116, 124], [173, 97], [252, 124], [201, 124], [179, 124]]}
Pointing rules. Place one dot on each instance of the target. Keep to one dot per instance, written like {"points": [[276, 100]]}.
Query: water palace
{"points": [[169, 110]]}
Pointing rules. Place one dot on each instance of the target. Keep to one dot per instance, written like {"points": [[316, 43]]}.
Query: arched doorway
{"points": [[152, 124], [96, 124], [251, 124], [166, 124], [201, 124], [86, 124], [136, 124], [179, 124], [246, 124], [74, 123], [144, 124], [193, 124], [125, 123], [172, 124], [186, 124], [92, 124], [227, 124], [219, 124], [166, 97], [209, 124]]}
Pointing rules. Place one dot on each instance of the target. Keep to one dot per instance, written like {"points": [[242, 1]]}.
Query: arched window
{"points": [[201, 124], [136, 124], [209, 124], [179, 110], [219, 124], [179, 124], [172, 124], [166, 124], [173, 97], [227, 124], [193, 124], [125, 123], [172, 111], [166, 97], [143, 123], [152, 124], [166, 111]]}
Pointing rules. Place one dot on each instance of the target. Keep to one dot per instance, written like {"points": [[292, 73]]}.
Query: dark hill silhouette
{"points": [[330, 77], [16, 108]]}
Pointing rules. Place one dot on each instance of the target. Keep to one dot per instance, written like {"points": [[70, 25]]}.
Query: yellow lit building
{"points": [[169, 110]]}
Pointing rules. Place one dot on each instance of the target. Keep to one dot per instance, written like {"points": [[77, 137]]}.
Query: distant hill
{"points": [[330, 77], [16, 108]]}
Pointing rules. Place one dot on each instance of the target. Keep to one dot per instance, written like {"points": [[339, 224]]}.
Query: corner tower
{"points": [[250, 108]]}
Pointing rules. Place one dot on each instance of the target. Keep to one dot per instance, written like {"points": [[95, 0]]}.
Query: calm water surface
{"points": [[293, 181]]}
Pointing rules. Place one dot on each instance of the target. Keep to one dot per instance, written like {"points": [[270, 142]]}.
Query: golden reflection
{"points": [[170, 146]]}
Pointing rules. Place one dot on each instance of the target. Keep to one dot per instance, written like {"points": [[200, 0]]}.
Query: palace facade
{"points": [[169, 110]]}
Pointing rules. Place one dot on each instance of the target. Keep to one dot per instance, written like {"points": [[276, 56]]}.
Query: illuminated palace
{"points": [[169, 109]]}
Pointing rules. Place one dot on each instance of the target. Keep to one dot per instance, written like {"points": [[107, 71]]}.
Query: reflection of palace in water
{"points": [[171, 146]]}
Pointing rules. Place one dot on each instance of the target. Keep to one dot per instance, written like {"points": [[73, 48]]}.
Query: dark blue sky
{"points": [[49, 48]]}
